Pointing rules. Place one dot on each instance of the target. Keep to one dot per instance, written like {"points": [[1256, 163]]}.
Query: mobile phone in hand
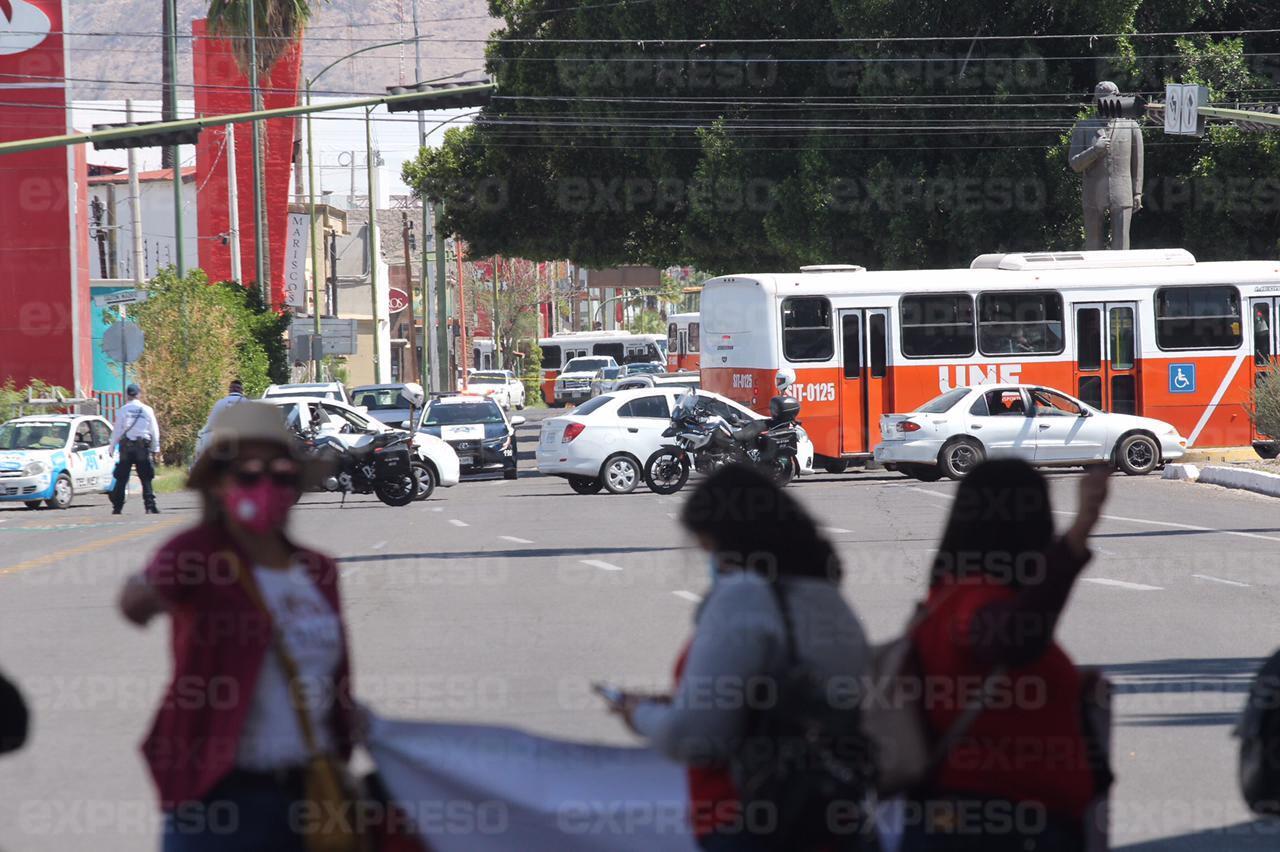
{"points": [[609, 693]]}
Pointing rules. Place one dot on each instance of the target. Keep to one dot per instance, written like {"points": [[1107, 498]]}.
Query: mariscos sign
{"points": [[397, 300]]}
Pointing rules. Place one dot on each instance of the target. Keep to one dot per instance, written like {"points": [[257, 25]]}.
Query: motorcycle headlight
{"points": [[35, 467]]}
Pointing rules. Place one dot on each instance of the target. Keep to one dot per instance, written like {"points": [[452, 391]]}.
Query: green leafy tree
{"points": [[198, 337], [13, 399], [531, 370], [671, 145]]}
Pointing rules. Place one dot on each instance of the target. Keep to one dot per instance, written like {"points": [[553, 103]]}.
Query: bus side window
{"points": [[806, 329], [673, 332], [937, 325], [1198, 318], [551, 357], [691, 342]]}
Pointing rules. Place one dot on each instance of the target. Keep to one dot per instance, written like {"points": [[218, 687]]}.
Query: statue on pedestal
{"points": [[1108, 152]]}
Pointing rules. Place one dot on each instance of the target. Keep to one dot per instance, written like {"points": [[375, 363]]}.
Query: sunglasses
{"points": [[281, 472]]}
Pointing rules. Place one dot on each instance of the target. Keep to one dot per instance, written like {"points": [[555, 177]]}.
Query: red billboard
{"points": [[222, 88], [44, 263]]}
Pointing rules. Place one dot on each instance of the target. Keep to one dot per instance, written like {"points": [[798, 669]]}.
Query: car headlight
{"points": [[34, 467]]}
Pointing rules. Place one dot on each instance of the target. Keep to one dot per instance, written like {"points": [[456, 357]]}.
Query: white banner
{"points": [[473, 788], [295, 261]]}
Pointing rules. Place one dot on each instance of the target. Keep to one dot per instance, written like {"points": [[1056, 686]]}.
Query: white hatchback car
{"points": [[605, 442], [953, 433], [350, 425]]}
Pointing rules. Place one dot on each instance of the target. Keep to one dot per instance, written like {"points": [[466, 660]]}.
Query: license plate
{"points": [[466, 461]]}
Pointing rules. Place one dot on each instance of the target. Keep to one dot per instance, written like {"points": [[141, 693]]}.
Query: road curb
{"points": [[1219, 455], [1244, 479]]}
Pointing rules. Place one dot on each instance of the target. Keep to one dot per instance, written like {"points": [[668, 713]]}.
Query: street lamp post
{"points": [[259, 217]]}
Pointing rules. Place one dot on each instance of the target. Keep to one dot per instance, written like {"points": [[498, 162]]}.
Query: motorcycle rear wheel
{"points": [[397, 492], [781, 471], [666, 472]]}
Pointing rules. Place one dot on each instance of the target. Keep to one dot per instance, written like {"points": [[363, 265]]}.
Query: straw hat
{"points": [[250, 421]]}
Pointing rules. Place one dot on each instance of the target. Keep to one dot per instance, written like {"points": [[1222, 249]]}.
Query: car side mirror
{"points": [[518, 420], [79, 447], [1084, 412]]}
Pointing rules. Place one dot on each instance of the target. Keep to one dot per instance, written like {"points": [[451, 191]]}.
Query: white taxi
{"points": [[51, 458], [954, 432]]}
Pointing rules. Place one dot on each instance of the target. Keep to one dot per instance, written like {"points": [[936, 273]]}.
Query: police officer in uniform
{"points": [[137, 436]]}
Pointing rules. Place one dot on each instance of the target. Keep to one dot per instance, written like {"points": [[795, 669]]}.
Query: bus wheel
{"points": [[958, 458], [1137, 455], [835, 465]]}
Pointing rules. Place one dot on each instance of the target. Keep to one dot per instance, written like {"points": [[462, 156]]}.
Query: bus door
{"points": [[1106, 355], [864, 377], [1266, 336]]}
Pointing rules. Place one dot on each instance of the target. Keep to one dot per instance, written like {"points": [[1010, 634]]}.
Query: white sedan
{"points": [[502, 386], [953, 433], [605, 442], [436, 461]]}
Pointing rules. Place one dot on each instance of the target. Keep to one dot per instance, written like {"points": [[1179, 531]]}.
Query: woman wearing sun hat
{"points": [[261, 685]]}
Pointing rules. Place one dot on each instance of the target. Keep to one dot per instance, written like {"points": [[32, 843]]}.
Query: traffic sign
{"points": [[1182, 104], [121, 297], [123, 342], [1182, 378]]}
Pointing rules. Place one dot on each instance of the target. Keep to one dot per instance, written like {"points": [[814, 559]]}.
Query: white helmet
{"points": [[786, 378]]}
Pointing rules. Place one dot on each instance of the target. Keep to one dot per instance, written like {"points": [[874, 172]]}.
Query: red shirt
{"points": [[219, 641], [1028, 744], [713, 798]]}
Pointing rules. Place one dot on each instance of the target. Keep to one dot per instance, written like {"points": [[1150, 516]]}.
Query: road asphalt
{"points": [[500, 602]]}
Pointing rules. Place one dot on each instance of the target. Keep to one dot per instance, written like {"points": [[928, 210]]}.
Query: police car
{"points": [[54, 457], [478, 430]]}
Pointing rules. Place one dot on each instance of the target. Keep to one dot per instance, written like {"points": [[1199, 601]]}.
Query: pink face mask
{"points": [[262, 507]]}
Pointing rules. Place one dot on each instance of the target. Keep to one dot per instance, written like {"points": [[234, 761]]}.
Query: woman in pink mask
{"points": [[256, 621]]}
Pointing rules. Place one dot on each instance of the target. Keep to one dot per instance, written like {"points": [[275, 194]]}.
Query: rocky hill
{"points": [[116, 50]]}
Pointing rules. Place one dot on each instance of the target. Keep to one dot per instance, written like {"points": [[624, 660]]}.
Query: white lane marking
{"points": [[1123, 519], [835, 530], [603, 566], [437, 510], [1121, 584], [378, 545], [1217, 397], [515, 539], [1220, 580], [458, 523], [689, 596], [671, 515]]}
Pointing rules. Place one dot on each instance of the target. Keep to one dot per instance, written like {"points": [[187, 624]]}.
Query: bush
{"points": [[1265, 410], [198, 338], [13, 399], [531, 375]]}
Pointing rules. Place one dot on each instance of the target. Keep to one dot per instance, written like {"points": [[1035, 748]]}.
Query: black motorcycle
{"points": [[380, 466], [705, 441]]}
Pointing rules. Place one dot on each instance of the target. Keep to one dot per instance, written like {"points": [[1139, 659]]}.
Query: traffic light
{"points": [[1123, 107], [146, 138], [438, 95]]}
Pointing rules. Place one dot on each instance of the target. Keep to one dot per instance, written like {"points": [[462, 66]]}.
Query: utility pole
{"points": [[463, 346], [428, 321], [497, 342], [411, 362], [135, 208], [233, 205], [374, 250], [447, 379], [175, 151], [168, 102], [260, 235]]}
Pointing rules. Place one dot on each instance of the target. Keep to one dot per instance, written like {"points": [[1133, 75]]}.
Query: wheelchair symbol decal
{"points": [[1182, 378]]}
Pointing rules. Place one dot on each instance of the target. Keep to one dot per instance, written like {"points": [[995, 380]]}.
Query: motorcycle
{"points": [[705, 441], [378, 464]]}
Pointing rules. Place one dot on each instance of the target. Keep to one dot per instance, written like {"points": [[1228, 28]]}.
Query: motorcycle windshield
{"points": [[687, 403]]}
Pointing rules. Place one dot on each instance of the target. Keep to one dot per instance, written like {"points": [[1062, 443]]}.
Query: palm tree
{"points": [[256, 45]]}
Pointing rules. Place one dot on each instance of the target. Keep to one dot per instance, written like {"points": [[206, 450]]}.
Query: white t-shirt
{"points": [[272, 737]]}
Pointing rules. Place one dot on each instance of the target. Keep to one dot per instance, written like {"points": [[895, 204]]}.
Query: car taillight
{"points": [[908, 426], [572, 431]]}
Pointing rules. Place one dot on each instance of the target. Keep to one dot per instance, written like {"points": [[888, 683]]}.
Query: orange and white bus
{"points": [[1149, 332], [624, 347], [683, 342]]}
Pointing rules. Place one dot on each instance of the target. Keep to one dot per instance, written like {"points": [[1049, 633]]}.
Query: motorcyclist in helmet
{"points": [[784, 406]]}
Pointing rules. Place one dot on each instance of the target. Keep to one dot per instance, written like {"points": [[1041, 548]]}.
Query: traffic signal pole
{"points": [[443, 99], [171, 14]]}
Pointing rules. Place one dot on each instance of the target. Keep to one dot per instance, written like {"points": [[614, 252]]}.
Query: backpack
{"points": [[1259, 733], [804, 771]]}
